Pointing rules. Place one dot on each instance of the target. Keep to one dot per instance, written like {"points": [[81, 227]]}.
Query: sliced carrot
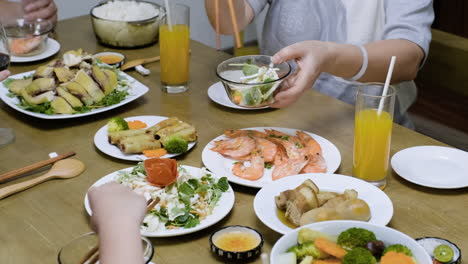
{"points": [[154, 153], [237, 99], [393, 257], [330, 247], [137, 124], [327, 261]]}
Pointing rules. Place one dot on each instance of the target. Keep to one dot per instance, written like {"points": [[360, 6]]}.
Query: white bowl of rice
{"points": [[127, 24]]}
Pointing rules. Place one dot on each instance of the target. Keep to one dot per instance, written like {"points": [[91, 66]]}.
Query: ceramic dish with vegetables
{"points": [[73, 86], [347, 242], [190, 199], [141, 137], [251, 81]]}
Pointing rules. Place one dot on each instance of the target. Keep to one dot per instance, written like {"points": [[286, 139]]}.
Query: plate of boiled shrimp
{"points": [[257, 156]]}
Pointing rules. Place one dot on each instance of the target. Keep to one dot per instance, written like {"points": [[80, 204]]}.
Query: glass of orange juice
{"points": [[372, 133], [174, 45]]}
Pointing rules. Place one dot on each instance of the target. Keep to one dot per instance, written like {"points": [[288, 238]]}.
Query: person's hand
{"points": [[312, 58], [4, 74], [45, 9], [114, 204]]}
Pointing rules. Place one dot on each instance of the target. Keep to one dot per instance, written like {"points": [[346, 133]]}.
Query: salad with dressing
{"points": [[182, 204], [260, 83]]}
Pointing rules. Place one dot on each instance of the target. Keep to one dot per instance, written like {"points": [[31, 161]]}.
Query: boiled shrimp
{"points": [[294, 149], [235, 147], [25, 45], [252, 172], [267, 148], [316, 163], [285, 166]]}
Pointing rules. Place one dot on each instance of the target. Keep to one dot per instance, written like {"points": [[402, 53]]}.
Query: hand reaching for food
{"points": [[45, 9]]}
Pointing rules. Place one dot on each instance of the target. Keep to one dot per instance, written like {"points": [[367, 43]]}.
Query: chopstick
{"points": [[35, 166], [234, 24], [218, 37], [93, 255]]}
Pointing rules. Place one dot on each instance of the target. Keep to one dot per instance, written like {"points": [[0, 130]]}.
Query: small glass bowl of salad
{"points": [[251, 81]]}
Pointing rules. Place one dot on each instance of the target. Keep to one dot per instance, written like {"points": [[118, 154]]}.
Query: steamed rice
{"points": [[126, 11]]}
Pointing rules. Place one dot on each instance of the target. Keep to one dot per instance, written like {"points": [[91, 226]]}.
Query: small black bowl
{"points": [[233, 256], [429, 244]]}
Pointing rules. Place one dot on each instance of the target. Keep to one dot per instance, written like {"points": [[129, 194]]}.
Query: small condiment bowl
{"points": [[111, 58], [77, 249], [250, 95], [430, 243], [233, 255]]}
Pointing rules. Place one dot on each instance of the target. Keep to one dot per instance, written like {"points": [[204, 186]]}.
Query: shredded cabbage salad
{"points": [[182, 204]]}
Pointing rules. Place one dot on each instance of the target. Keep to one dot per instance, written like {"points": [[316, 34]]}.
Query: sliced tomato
{"points": [[161, 172]]}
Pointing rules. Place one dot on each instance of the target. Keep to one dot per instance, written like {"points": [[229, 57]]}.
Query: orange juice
{"points": [[372, 136], [174, 52]]}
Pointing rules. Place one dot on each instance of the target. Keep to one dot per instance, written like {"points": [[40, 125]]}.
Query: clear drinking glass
{"points": [[174, 45], [84, 249], [6, 134], [372, 133]]}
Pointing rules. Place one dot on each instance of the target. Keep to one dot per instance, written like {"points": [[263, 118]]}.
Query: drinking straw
{"points": [[169, 18], [218, 37], [234, 24], [387, 83]]}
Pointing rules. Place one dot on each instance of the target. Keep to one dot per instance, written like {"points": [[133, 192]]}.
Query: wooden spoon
{"points": [[133, 63], [62, 169]]}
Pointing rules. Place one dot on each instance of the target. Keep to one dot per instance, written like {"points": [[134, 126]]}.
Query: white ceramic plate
{"points": [[136, 90], [102, 143], [52, 47], [433, 166], [218, 95], [223, 207], [380, 205], [388, 235], [222, 166]]}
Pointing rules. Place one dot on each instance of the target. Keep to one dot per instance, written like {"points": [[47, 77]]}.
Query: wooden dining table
{"points": [[37, 222]]}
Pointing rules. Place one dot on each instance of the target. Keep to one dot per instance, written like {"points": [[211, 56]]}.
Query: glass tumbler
{"points": [[372, 133]]}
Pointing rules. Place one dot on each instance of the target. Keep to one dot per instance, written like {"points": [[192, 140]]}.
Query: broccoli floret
{"points": [[176, 145], [359, 255], [399, 248], [307, 249], [355, 237], [117, 124]]}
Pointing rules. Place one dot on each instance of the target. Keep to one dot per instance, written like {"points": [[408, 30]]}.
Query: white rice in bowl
{"points": [[117, 23], [126, 11]]}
